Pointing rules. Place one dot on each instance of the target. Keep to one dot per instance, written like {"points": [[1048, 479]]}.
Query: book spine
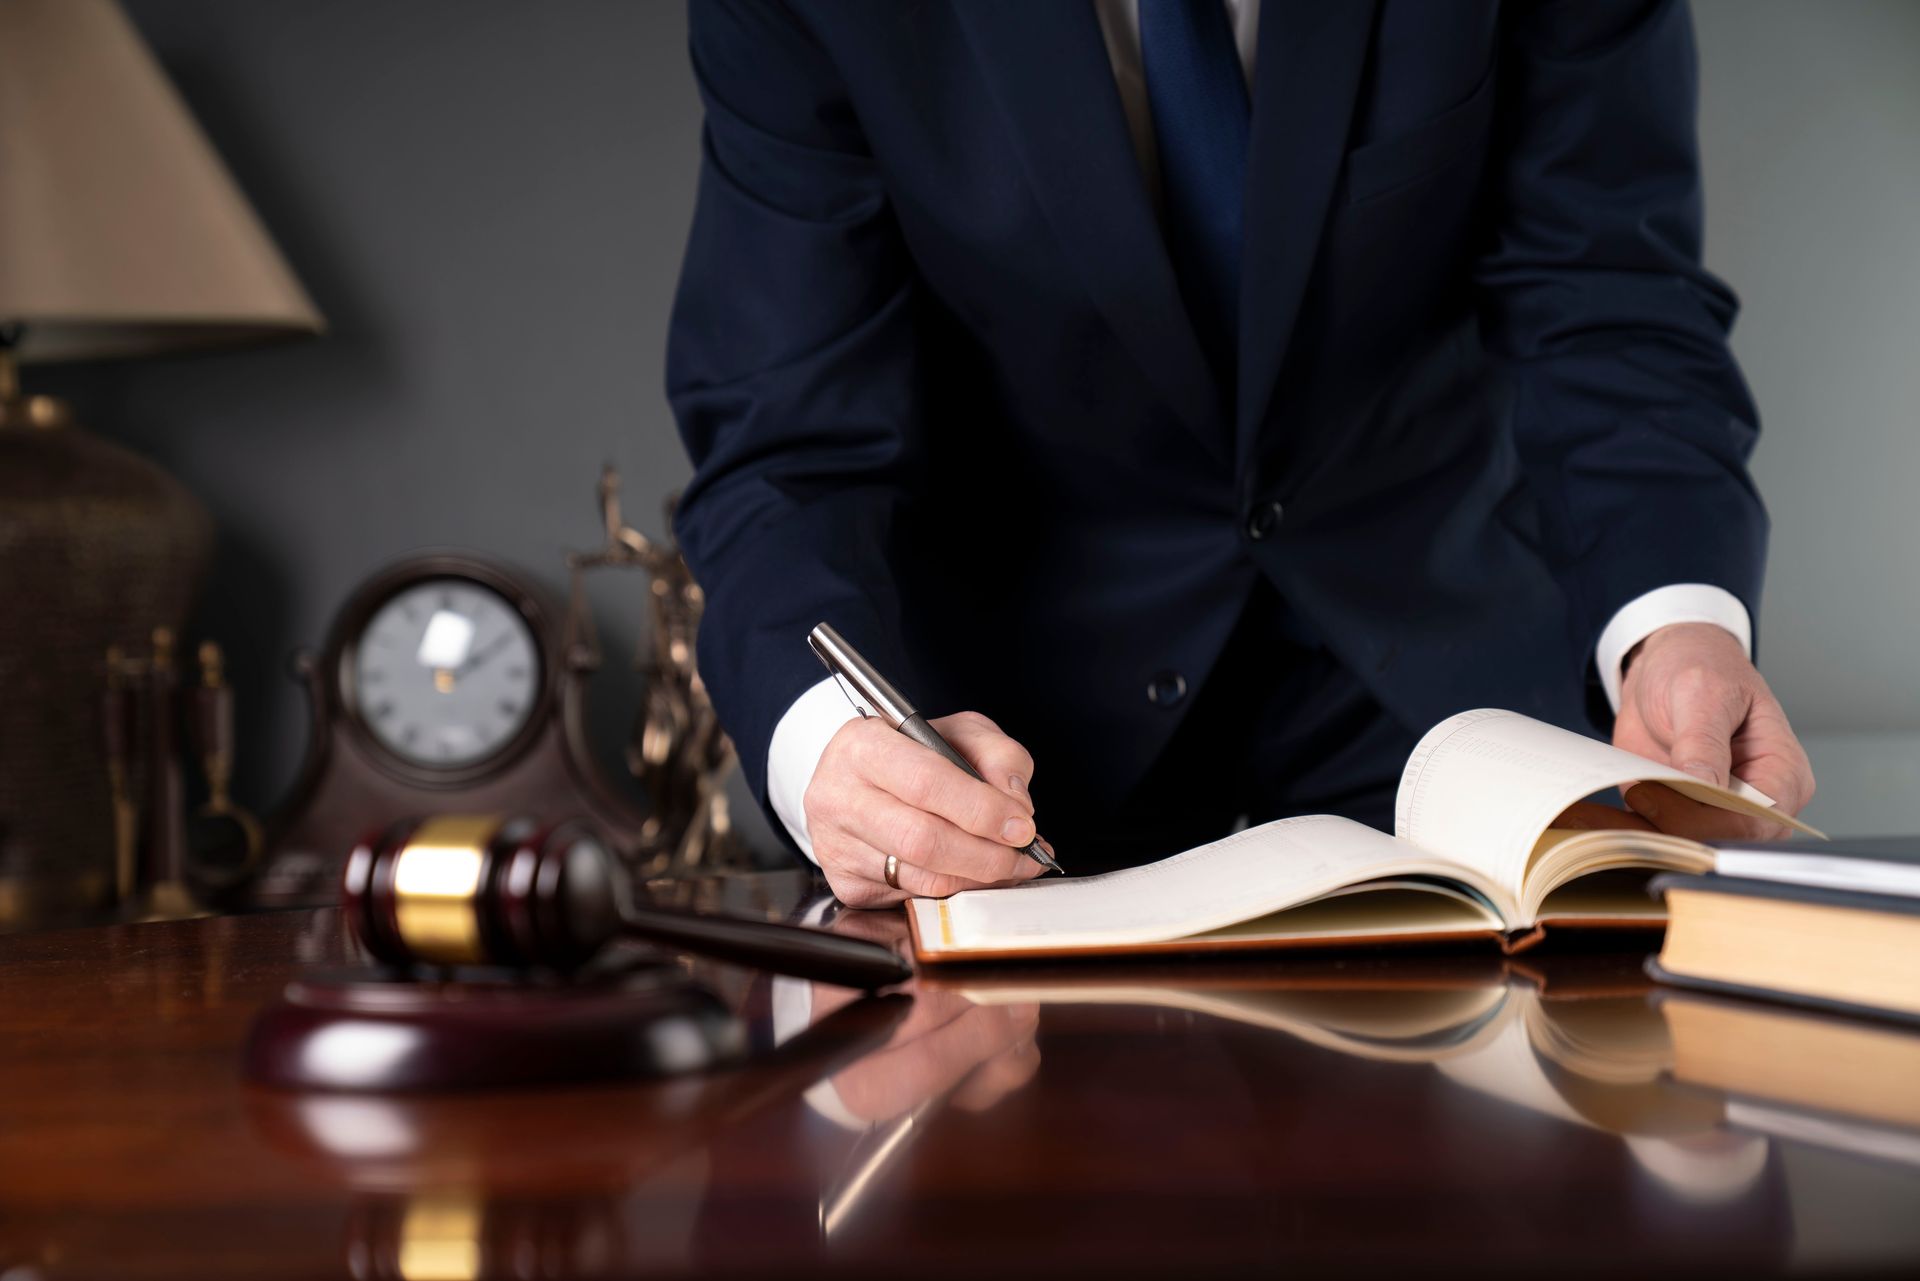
{"points": [[1518, 941]]}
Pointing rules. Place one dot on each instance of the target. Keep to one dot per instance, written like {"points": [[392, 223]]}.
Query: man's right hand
{"points": [[877, 792]]}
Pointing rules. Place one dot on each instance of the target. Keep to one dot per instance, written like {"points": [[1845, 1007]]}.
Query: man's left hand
{"points": [[1692, 699]]}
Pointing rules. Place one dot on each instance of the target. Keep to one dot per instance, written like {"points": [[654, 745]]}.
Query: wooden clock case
{"points": [[350, 784]]}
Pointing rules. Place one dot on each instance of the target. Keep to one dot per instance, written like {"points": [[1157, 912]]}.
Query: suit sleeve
{"points": [[790, 368], [1628, 411]]}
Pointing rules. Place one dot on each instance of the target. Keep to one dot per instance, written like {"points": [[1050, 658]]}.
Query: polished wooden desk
{"points": [[1413, 1114]]}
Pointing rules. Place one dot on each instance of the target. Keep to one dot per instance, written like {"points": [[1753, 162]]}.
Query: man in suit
{"points": [[1217, 393]]}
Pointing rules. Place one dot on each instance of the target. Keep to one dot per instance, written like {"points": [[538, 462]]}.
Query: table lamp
{"points": [[121, 234]]}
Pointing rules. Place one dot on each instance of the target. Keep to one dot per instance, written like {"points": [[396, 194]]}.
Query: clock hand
{"points": [[481, 655]]}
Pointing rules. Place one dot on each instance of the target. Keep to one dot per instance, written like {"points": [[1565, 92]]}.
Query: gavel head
{"points": [[467, 889]]}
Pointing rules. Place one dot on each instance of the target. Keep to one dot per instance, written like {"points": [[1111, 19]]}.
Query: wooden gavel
{"points": [[466, 889]]}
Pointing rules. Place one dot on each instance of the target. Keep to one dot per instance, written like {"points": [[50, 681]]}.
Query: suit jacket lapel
{"points": [[1306, 78], [1047, 69]]}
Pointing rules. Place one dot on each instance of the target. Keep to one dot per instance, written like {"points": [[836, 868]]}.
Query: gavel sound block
{"points": [[494, 969]]}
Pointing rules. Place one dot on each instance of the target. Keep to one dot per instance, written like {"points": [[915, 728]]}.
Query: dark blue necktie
{"points": [[1200, 121]]}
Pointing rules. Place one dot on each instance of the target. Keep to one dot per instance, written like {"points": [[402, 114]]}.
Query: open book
{"points": [[1473, 856]]}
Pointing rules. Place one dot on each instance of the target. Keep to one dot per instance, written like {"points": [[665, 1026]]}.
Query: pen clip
{"points": [[846, 687], [864, 687], [828, 661]]}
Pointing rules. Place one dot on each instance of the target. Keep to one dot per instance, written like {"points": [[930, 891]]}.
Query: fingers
{"points": [[877, 792], [1671, 812], [1590, 816], [1763, 752], [857, 871], [1706, 711], [998, 1077], [927, 842], [923, 1064], [1787, 782], [1768, 755], [1001, 760], [923, 780], [1693, 699]]}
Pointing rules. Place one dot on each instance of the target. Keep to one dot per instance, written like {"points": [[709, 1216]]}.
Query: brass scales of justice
{"points": [[677, 750]]}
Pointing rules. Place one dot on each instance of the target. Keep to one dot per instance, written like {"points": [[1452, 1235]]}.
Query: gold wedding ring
{"points": [[893, 871]]}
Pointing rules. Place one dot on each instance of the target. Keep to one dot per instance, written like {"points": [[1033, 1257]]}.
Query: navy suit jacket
{"points": [[931, 363]]}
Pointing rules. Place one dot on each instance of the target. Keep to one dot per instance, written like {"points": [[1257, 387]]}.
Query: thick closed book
{"points": [[1474, 855], [1848, 949]]}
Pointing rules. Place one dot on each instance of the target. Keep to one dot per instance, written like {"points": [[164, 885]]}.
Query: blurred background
{"points": [[487, 201]]}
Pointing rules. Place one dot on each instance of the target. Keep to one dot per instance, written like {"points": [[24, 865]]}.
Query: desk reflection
{"points": [[1376, 1113], [951, 1050], [1381, 1111], [537, 1184], [1408, 1112]]}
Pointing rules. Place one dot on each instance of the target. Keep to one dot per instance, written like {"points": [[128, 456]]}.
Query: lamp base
{"points": [[33, 413], [98, 547]]}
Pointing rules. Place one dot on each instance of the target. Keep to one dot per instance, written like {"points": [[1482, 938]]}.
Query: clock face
{"points": [[446, 673]]}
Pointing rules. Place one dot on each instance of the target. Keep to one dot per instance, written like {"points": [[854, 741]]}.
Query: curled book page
{"points": [[1482, 786]]}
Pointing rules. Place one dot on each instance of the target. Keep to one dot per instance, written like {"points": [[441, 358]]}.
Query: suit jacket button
{"points": [[1166, 689], [1265, 519]]}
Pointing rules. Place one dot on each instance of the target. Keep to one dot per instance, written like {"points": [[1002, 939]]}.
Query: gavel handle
{"points": [[784, 949]]}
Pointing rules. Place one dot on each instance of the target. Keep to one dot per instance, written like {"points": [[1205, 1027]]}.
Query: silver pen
{"points": [[874, 695]]}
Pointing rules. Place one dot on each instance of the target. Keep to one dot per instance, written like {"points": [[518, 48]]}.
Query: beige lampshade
{"points": [[121, 233]]}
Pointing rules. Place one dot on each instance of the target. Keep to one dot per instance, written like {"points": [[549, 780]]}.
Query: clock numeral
{"points": [[508, 707], [372, 676], [409, 735], [517, 672], [383, 711]]}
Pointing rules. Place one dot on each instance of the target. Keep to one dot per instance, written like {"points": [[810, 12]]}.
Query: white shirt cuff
{"points": [[792, 1015], [1644, 615], [794, 754]]}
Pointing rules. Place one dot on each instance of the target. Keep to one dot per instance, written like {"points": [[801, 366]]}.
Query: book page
{"points": [[1857, 867], [1589, 875], [1482, 786], [1251, 873]]}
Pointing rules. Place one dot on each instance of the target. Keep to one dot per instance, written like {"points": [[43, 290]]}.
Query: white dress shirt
{"points": [[817, 715]]}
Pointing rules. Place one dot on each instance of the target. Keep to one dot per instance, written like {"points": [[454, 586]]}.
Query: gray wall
{"points": [[487, 198], [1810, 131]]}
